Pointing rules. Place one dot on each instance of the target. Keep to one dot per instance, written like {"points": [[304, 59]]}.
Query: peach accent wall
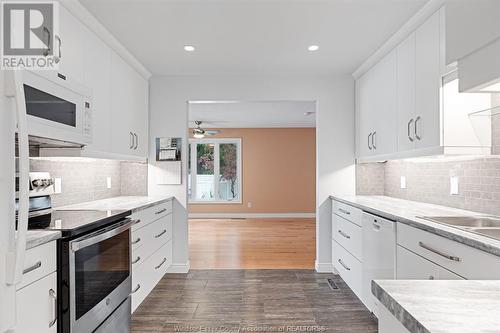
{"points": [[278, 171]]}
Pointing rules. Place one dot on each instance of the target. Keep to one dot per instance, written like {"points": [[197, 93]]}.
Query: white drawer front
{"points": [[348, 212], [151, 237], [151, 214], [146, 275], [456, 257], [349, 235], [39, 262], [349, 268]]}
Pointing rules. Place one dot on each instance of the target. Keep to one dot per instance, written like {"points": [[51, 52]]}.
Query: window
{"points": [[214, 170]]}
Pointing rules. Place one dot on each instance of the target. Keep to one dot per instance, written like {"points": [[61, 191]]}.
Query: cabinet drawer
{"points": [[348, 212], [39, 261], [348, 267], [36, 306], [151, 214], [349, 235], [456, 257], [150, 238], [146, 275]]}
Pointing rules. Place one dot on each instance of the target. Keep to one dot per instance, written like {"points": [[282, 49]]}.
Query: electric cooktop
{"points": [[76, 222]]}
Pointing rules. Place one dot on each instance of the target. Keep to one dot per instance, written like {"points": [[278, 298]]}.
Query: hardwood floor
{"points": [[252, 244], [252, 301]]}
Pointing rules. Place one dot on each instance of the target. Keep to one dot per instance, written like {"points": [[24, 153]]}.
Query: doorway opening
{"points": [[252, 184]]}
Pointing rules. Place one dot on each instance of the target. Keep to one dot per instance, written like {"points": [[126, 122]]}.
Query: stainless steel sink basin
{"points": [[488, 226], [490, 232], [467, 221]]}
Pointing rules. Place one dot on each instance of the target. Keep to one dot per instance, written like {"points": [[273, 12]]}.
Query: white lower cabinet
{"points": [[151, 249], [37, 306], [36, 295], [411, 266]]}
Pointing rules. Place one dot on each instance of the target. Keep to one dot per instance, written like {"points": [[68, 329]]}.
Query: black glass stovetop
{"points": [[76, 222]]}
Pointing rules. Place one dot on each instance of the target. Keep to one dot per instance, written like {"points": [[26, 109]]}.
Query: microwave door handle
{"points": [[97, 237], [17, 249]]}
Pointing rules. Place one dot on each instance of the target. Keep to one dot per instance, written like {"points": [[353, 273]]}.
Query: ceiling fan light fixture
{"points": [[198, 135]]}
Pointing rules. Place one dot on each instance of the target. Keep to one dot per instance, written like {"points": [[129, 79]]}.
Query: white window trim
{"points": [[193, 143]]}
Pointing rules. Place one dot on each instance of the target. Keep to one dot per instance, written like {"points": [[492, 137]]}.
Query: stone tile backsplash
{"points": [[428, 180], [85, 179]]}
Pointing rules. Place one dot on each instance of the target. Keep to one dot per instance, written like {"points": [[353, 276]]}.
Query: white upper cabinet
{"points": [[407, 106], [69, 46], [376, 107], [428, 62], [129, 109], [97, 76]]}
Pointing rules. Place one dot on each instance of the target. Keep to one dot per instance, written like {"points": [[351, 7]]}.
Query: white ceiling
{"points": [[258, 36], [253, 114]]}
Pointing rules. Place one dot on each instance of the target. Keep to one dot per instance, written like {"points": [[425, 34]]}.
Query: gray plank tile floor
{"points": [[252, 301]]}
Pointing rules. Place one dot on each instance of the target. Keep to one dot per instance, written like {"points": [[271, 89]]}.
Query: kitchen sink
{"points": [[488, 226], [467, 221]]}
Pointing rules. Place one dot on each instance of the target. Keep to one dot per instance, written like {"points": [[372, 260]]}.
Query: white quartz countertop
{"points": [[132, 203], [408, 212], [36, 238], [442, 306]]}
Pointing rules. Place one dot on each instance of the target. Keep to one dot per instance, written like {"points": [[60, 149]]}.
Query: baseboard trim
{"points": [[325, 267], [250, 215], [179, 268]]}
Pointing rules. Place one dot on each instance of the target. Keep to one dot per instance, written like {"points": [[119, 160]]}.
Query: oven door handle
{"points": [[99, 236]]}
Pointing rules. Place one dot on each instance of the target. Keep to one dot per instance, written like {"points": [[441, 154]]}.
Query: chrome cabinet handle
{"points": [[136, 289], [136, 260], [161, 211], [416, 128], [373, 140], [369, 136], [58, 58], [344, 234], [161, 233], [47, 51], [53, 296], [136, 141], [409, 130], [447, 256], [161, 264], [376, 226], [344, 265], [32, 268], [131, 141], [136, 241], [344, 211]]}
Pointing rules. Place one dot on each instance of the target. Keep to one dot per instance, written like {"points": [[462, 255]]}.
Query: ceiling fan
{"points": [[200, 133]]}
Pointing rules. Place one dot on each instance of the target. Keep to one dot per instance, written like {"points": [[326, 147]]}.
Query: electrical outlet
{"points": [[403, 182], [57, 185], [249, 205], [453, 185], [108, 182]]}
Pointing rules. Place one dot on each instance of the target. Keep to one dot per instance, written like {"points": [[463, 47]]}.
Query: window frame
{"points": [[193, 144]]}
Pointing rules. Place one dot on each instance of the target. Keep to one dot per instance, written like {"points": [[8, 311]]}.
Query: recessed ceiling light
{"points": [[189, 48], [313, 48]]}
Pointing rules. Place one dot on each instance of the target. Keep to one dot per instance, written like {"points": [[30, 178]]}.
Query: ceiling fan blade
{"points": [[212, 132]]}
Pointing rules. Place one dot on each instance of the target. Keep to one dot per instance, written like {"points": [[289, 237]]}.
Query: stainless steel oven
{"points": [[95, 277]]}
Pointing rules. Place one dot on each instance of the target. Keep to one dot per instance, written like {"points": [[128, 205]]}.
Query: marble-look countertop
{"points": [[36, 238], [452, 306], [407, 212], [132, 203]]}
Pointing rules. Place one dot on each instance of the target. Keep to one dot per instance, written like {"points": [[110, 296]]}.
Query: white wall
{"points": [[335, 137]]}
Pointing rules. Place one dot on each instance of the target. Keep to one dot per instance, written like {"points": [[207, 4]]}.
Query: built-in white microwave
{"points": [[57, 108]]}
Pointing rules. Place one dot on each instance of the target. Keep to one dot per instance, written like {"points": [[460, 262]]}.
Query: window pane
{"points": [[228, 181], [205, 171]]}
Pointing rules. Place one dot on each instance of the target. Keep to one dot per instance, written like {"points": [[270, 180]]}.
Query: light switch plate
{"points": [[108, 182], [57, 185], [453, 185], [403, 182], [249, 205]]}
